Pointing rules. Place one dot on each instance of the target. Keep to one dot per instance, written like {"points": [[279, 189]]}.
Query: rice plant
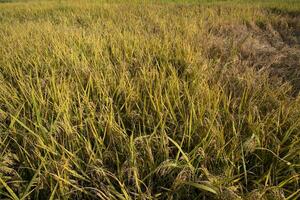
{"points": [[149, 100]]}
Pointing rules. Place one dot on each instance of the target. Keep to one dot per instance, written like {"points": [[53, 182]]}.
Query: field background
{"points": [[150, 99]]}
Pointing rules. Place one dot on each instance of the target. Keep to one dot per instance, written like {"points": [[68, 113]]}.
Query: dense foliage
{"points": [[149, 100]]}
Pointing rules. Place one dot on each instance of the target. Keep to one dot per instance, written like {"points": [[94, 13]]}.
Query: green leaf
{"points": [[10, 191], [26, 192], [203, 187]]}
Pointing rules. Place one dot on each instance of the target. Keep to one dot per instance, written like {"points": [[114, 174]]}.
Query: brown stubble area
{"points": [[106, 100]]}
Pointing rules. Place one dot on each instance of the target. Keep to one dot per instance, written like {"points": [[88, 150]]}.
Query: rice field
{"points": [[123, 100]]}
